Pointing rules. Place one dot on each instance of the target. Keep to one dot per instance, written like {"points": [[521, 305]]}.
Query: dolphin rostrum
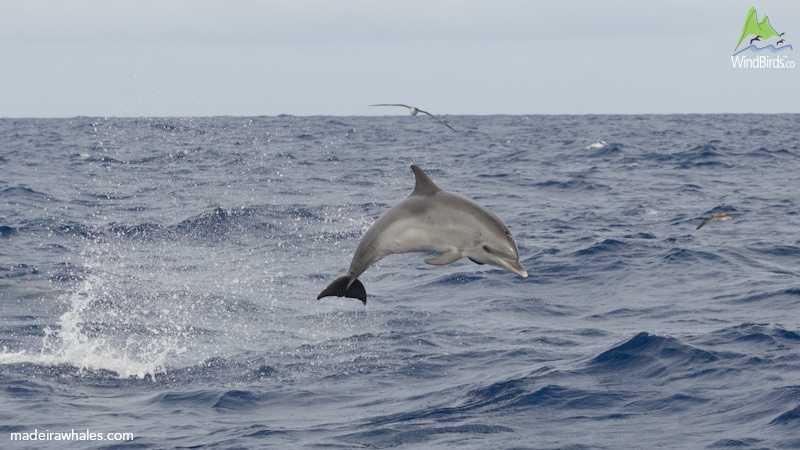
{"points": [[431, 220]]}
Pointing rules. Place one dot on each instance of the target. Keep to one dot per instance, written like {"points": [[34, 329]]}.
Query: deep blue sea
{"points": [[158, 281]]}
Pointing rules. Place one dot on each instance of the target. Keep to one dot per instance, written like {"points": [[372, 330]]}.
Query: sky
{"points": [[156, 58]]}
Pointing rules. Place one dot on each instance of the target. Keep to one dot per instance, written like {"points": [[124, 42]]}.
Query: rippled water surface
{"points": [[159, 277]]}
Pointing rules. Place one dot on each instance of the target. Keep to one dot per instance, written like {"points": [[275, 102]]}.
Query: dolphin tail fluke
{"points": [[342, 287]]}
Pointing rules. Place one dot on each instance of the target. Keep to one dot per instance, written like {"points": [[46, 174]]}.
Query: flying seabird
{"points": [[780, 42], [414, 110], [717, 216], [757, 38]]}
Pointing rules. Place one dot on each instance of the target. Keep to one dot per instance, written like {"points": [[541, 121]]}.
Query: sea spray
{"points": [[81, 340]]}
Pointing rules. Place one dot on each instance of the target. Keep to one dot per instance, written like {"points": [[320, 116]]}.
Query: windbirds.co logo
{"points": [[758, 37]]}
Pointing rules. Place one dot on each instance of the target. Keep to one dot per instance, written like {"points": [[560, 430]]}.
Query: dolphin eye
{"points": [[487, 249]]}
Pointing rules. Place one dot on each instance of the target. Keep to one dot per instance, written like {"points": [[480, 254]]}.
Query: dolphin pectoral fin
{"points": [[340, 288], [445, 258], [476, 262]]}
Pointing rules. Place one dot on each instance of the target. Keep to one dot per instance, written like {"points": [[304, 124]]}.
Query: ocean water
{"points": [[158, 283]]}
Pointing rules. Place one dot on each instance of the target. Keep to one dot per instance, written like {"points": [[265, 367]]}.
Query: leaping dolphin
{"points": [[431, 220]]}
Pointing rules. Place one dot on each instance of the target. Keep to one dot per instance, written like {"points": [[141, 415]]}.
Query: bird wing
{"points": [[437, 119], [393, 104], [704, 222]]}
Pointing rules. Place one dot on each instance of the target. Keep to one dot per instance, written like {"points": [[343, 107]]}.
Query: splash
{"points": [[84, 342], [96, 335]]}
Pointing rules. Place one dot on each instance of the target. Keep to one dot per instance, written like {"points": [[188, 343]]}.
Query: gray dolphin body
{"points": [[431, 220]]}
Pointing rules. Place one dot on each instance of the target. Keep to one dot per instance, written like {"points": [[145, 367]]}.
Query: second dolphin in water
{"points": [[431, 220]]}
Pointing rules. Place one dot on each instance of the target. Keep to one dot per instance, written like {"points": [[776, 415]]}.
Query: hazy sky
{"points": [[63, 58]]}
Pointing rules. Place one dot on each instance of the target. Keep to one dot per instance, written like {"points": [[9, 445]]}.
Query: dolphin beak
{"points": [[512, 265], [517, 268]]}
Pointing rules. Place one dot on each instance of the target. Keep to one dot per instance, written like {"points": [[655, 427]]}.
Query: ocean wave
{"points": [[683, 255], [608, 151], [788, 296], [706, 155], [651, 356], [174, 264]]}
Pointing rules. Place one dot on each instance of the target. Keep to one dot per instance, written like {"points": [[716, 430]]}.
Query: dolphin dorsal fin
{"points": [[424, 185]]}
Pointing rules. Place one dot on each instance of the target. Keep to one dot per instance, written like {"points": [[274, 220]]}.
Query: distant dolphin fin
{"points": [[339, 288], [445, 258], [424, 185]]}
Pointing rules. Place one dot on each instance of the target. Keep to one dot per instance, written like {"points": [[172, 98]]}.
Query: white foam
{"points": [[70, 343], [596, 145]]}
